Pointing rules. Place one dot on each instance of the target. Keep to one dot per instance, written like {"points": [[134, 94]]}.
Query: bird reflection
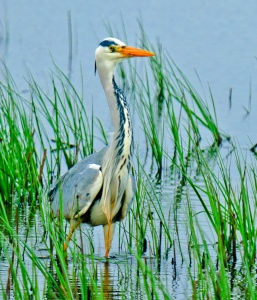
{"points": [[107, 283]]}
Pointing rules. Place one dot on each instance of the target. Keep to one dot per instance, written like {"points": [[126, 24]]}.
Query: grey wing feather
{"points": [[78, 187]]}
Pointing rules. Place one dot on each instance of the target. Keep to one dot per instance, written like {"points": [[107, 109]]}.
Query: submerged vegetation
{"points": [[192, 228]]}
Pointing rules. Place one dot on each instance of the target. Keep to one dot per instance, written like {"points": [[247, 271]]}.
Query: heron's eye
{"points": [[112, 48]]}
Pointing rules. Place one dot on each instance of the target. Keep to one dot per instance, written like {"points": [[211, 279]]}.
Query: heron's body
{"points": [[99, 189]]}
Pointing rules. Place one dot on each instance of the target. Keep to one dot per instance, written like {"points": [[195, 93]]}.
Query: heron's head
{"points": [[111, 51]]}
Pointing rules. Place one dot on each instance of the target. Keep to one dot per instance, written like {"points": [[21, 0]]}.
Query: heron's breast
{"points": [[96, 215]]}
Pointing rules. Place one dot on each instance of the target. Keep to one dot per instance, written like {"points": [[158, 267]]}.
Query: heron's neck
{"points": [[116, 164], [122, 139]]}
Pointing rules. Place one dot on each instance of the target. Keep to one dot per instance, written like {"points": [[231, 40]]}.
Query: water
{"points": [[215, 39]]}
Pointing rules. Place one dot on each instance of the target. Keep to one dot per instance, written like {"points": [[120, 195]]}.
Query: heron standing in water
{"points": [[99, 189]]}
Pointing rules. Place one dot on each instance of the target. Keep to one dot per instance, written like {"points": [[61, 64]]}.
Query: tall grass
{"points": [[19, 160], [194, 216]]}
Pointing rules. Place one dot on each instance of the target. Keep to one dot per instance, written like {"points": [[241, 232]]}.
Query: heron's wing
{"points": [[79, 187]]}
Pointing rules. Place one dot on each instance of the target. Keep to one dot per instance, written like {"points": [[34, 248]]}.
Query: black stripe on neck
{"points": [[123, 116]]}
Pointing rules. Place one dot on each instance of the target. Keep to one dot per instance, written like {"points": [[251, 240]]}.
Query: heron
{"points": [[99, 189]]}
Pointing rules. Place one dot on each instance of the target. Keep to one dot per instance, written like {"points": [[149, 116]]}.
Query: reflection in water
{"points": [[103, 273], [103, 277], [107, 282]]}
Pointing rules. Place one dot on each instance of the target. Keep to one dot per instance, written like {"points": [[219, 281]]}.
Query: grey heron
{"points": [[99, 189]]}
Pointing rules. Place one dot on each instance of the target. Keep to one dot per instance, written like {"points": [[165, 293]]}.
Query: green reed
{"points": [[19, 160], [230, 210], [64, 111]]}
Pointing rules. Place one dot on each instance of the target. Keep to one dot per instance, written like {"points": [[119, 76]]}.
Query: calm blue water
{"points": [[217, 39]]}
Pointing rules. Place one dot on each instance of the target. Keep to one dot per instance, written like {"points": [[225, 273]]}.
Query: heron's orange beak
{"points": [[128, 51]]}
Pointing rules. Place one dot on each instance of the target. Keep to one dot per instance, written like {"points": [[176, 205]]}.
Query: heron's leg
{"points": [[74, 223], [108, 235]]}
